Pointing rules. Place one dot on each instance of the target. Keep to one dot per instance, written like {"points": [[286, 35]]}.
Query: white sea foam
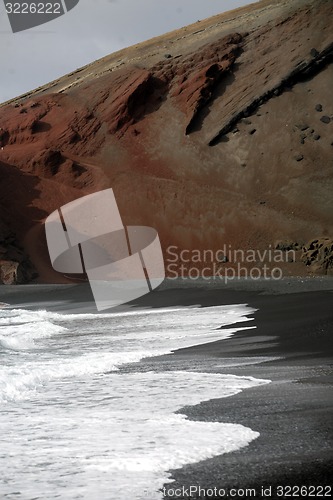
{"points": [[20, 329], [69, 418], [129, 340]]}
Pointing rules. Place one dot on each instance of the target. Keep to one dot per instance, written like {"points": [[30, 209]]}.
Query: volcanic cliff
{"points": [[220, 133]]}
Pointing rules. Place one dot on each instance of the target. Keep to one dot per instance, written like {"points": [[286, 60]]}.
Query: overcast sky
{"points": [[93, 29]]}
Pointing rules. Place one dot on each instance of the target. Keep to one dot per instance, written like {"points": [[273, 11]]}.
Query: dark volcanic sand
{"points": [[293, 414]]}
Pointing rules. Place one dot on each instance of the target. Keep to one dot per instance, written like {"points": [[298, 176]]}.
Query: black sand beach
{"points": [[293, 414], [292, 346]]}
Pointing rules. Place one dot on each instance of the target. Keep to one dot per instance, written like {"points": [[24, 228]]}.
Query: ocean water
{"points": [[79, 419]]}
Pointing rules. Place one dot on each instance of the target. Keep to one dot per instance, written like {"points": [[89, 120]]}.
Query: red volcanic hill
{"points": [[220, 133]]}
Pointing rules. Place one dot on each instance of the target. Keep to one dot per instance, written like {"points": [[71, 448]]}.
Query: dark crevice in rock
{"points": [[203, 76], [144, 95], [213, 88], [40, 126], [4, 138]]}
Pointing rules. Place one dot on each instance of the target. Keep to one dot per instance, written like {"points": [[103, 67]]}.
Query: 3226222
{"points": [[304, 491], [33, 8]]}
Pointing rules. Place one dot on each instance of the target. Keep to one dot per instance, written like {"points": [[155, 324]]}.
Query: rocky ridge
{"points": [[209, 134]]}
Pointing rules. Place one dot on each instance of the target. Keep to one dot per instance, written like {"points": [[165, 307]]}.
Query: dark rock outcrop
{"points": [[318, 254], [15, 266], [8, 272]]}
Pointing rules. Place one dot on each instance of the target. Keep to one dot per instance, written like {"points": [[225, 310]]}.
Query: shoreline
{"points": [[170, 293], [293, 414], [292, 346]]}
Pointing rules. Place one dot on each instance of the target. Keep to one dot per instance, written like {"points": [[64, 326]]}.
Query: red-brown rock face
{"points": [[216, 134]]}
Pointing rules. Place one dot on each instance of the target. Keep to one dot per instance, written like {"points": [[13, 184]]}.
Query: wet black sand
{"points": [[294, 414]]}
